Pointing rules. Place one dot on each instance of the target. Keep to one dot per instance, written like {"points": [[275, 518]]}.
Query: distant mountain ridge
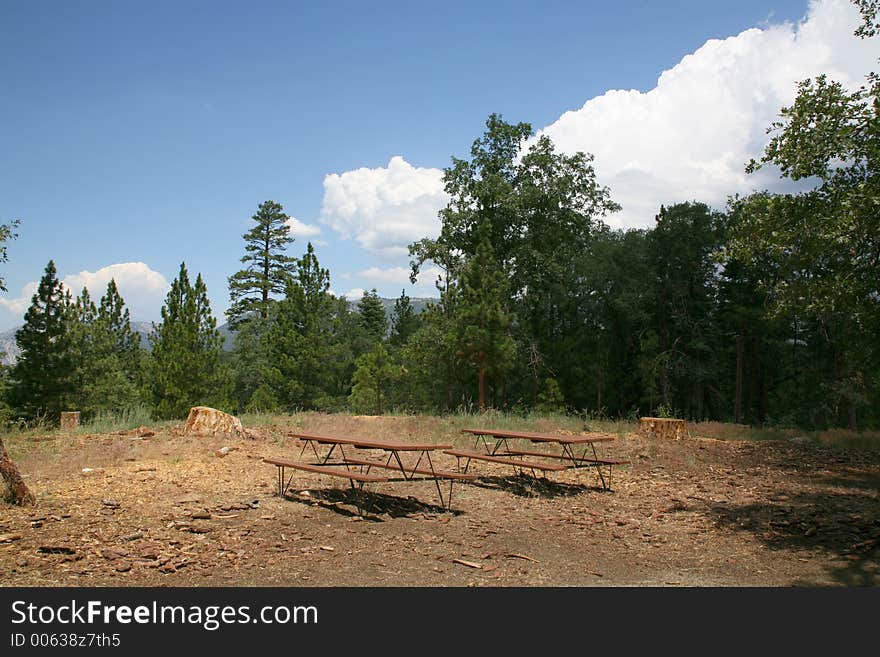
{"points": [[11, 351]]}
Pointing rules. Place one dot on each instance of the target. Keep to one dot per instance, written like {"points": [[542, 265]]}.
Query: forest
{"points": [[763, 312]]}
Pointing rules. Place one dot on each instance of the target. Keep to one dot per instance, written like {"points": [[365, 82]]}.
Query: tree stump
{"points": [[663, 427], [69, 420], [18, 490]]}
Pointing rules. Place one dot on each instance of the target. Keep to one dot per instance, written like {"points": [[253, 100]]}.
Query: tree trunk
{"points": [[482, 388], [760, 382], [18, 491], [737, 402], [267, 285]]}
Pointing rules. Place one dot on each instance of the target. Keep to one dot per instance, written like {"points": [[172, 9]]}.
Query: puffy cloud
{"points": [[690, 137], [142, 288], [354, 294], [301, 229], [19, 305], [386, 208]]}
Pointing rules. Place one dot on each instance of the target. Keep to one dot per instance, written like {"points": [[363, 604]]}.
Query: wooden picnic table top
{"points": [[541, 437], [370, 443]]}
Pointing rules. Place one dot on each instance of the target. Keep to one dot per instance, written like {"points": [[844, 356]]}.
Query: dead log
{"points": [[18, 490]]}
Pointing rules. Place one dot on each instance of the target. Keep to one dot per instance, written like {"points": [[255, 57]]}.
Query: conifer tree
{"points": [[267, 267], [375, 371], [115, 319], [373, 319], [310, 340], [404, 321], [106, 353], [42, 379], [481, 322], [186, 351]]}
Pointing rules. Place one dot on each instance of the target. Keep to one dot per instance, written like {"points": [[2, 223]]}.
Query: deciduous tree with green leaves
{"points": [[825, 242]]}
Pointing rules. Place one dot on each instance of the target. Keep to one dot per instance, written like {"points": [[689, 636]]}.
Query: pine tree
{"points": [[252, 364], [481, 322], [375, 371], [373, 319], [114, 318], [106, 353], [186, 351], [42, 379], [267, 270], [404, 321], [310, 342]]}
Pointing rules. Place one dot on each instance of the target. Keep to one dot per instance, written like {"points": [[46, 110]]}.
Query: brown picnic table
{"points": [[400, 461], [500, 446]]}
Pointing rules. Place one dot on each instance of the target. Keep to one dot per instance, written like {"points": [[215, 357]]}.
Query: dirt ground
{"points": [[166, 510]]}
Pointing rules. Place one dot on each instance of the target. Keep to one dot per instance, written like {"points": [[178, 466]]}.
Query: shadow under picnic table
{"points": [[525, 485], [367, 504]]}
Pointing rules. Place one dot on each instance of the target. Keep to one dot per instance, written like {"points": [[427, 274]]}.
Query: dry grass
{"points": [[842, 438]]}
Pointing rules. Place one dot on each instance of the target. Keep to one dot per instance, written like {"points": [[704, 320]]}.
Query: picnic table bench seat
{"points": [[328, 470], [482, 456], [443, 474], [525, 452]]}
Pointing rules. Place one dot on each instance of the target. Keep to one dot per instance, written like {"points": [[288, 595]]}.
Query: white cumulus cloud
{"points": [[301, 229], [354, 294], [386, 208], [20, 304], [690, 137], [142, 288]]}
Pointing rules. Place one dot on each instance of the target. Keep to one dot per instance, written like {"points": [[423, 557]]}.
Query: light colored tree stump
{"points": [[69, 420], [663, 427]]}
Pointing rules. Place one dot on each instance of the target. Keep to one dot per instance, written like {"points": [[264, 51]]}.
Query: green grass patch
{"points": [[119, 420]]}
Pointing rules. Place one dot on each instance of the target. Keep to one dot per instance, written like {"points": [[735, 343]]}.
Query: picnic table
{"points": [[499, 447], [401, 461]]}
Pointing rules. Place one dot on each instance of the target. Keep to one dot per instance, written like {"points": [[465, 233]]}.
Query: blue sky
{"points": [[134, 136]]}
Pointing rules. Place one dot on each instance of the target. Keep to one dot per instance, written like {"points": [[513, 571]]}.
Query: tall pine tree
{"points": [[267, 268], [42, 379], [186, 351]]}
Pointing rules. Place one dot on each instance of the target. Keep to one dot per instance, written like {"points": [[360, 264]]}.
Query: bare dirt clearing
{"points": [[167, 510]]}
